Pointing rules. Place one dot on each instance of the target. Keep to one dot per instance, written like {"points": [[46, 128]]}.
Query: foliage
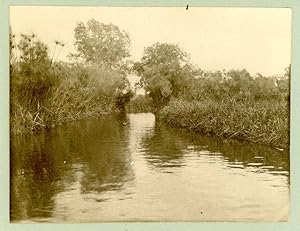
{"points": [[102, 44], [230, 103], [165, 72], [113, 85], [238, 85], [32, 77], [165, 53], [140, 103], [234, 104], [45, 93], [263, 122]]}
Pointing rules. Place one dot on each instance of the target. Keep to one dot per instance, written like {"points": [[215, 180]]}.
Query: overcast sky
{"points": [[257, 39]]}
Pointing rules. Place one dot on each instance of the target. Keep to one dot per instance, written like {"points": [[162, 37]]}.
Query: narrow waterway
{"points": [[133, 168]]}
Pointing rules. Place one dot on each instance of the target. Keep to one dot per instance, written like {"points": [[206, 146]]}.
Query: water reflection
{"points": [[167, 147], [34, 177], [163, 147], [111, 169], [49, 163]]}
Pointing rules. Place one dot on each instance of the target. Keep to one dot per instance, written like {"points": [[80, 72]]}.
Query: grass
{"points": [[264, 121], [76, 94], [45, 93], [230, 104]]}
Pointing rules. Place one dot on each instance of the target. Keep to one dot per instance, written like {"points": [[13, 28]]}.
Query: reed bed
{"points": [[264, 121], [79, 93], [45, 93]]}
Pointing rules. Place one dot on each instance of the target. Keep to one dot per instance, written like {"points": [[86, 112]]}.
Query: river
{"points": [[132, 168]]}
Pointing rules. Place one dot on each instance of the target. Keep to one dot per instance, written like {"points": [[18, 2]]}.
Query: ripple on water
{"points": [[144, 171]]}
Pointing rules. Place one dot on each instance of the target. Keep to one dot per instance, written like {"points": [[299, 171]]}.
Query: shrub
{"points": [[46, 93], [140, 103]]}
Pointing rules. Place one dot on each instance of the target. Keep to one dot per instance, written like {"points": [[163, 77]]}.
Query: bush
{"points": [[140, 103], [237, 84], [46, 93]]}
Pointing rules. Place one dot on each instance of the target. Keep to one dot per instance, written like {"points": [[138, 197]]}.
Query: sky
{"points": [[257, 39]]}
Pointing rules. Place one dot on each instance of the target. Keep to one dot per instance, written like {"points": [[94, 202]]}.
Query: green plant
{"points": [[102, 44], [263, 122], [45, 93], [140, 103], [165, 72]]}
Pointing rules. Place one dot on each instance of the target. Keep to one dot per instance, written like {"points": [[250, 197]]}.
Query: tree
{"points": [[165, 72], [164, 53], [102, 44]]}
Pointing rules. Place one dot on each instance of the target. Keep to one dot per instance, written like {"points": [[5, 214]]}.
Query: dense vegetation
{"points": [[140, 103], [45, 93], [231, 104]]}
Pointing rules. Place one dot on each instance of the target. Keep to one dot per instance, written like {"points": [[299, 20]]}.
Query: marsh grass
{"points": [[75, 96], [235, 105], [45, 93], [264, 121]]}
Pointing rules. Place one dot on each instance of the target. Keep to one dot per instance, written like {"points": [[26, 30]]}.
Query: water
{"points": [[132, 168]]}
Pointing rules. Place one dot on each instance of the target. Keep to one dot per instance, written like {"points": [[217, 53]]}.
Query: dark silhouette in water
{"points": [[102, 170]]}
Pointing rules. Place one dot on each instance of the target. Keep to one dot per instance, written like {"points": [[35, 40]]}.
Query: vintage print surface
{"points": [[149, 114]]}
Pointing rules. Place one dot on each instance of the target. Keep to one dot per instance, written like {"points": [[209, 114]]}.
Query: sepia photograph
{"points": [[149, 114]]}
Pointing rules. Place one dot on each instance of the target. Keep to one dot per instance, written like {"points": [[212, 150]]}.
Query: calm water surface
{"points": [[132, 168]]}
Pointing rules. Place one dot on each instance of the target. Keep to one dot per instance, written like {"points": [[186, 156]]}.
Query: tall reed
{"points": [[264, 122]]}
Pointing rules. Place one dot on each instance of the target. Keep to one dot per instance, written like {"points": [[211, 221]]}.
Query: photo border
{"points": [[294, 217]]}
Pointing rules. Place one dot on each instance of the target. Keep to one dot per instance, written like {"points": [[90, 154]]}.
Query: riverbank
{"points": [[63, 94], [45, 93], [263, 122]]}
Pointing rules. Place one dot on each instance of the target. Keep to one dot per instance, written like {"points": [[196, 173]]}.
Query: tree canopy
{"points": [[102, 44], [165, 70]]}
